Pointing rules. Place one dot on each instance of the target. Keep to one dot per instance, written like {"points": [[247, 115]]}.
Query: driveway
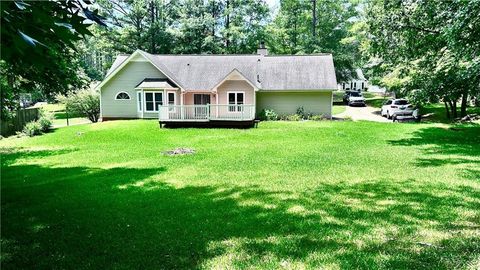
{"points": [[363, 113]]}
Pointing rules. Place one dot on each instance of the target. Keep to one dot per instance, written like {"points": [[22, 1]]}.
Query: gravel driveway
{"points": [[363, 113]]}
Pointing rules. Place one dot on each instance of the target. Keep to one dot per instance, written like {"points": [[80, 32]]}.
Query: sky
{"points": [[272, 4]]}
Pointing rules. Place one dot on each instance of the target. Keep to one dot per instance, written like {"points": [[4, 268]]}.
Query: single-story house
{"points": [[204, 88]]}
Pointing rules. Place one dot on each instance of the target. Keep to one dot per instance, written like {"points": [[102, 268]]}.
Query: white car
{"points": [[356, 98], [396, 107]]}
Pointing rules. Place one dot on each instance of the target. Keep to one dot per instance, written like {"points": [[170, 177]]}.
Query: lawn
{"points": [[338, 109], [59, 115], [330, 194]]}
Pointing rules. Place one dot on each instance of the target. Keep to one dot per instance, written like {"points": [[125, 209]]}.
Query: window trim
{"points": [[174, 100], [145, 100], [236, 101], [139, 101], [122, 92]]}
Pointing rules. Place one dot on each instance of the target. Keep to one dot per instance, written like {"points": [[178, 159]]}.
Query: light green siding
{"points": [[126, 80], [288, 102]]}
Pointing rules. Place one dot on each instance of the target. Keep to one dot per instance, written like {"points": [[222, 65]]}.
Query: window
{"points": [[153, 100], [343, 86], [363, 85], [139, 101], [400, 102], [235, 98], [388, 102], [354, 85], [171, 100], [122, 96]]}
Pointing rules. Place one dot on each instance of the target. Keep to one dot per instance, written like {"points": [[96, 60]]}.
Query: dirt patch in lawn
{"points": [[179, 151]]}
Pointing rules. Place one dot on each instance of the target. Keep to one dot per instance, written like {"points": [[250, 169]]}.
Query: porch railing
{"points": [[204, 113]]}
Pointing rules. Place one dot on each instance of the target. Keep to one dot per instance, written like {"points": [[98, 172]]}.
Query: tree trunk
{"points": [[463, 108], [152, 34], [314, 19], [227, 25], [453, 108], [446, 109]]}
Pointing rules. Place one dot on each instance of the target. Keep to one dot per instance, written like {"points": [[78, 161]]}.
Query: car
{"points": [[347, 95], [402, 117], [356, 98], [396, 107]]}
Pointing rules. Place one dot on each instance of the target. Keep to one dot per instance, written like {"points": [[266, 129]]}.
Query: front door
{"points": [[201, 99]]}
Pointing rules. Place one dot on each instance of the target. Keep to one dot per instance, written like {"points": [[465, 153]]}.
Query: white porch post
{"points": [[182, 111], [143, 103], [216, 102]]}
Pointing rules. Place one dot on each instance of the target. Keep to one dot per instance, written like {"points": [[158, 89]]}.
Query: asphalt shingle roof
{"points": [[289, 72]]}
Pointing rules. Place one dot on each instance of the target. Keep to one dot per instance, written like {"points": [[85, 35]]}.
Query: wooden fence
{"points": [[17, 123]]}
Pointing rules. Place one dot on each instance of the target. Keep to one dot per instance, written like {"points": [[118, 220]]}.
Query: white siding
{"points": [[126, 80], [288, 102]]}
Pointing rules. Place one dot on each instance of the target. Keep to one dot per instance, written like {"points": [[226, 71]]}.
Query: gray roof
{"points": [[156, 83], [203, 72]]}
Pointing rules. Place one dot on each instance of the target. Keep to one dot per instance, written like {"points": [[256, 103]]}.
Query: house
{"points": [[358, 84], [215, 88]]}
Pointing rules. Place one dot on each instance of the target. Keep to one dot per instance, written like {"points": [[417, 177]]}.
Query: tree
{"points": [[83, 102], [317, 27], [432, 44], [38, 43]]}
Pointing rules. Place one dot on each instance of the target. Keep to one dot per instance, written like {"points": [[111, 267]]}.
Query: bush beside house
{"points": [[301, 114], [83, 102]]}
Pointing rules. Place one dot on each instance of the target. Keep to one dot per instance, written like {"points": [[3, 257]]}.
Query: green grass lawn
{"points": [[331, 195], [337, 109], [376, 102], [439, 113], [59, 115]]}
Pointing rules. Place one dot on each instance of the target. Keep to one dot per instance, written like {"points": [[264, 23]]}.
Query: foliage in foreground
{"points": [[38, 47], [84, 102]]}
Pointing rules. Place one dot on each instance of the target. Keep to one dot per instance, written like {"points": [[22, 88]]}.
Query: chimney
{"points": [[261, 49]]}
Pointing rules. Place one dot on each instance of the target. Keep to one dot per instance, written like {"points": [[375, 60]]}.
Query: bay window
{"points": [[153, 100]]}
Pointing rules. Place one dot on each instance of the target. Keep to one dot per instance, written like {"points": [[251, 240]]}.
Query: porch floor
{"points": [[209, 124]]}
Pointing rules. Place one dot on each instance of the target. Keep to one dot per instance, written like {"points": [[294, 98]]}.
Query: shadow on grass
{"points": [[122, 218], [463, 141]]}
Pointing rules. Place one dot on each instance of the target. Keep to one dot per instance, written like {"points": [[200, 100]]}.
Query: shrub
{"points": [[292, 117], [318, 117], [83, 102], [303, 114], [268, 115], [32, 128], [45, 123], [45, 120]]}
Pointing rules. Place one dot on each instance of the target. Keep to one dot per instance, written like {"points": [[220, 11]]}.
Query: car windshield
{"points": [[355, 94], [401, 102]]}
